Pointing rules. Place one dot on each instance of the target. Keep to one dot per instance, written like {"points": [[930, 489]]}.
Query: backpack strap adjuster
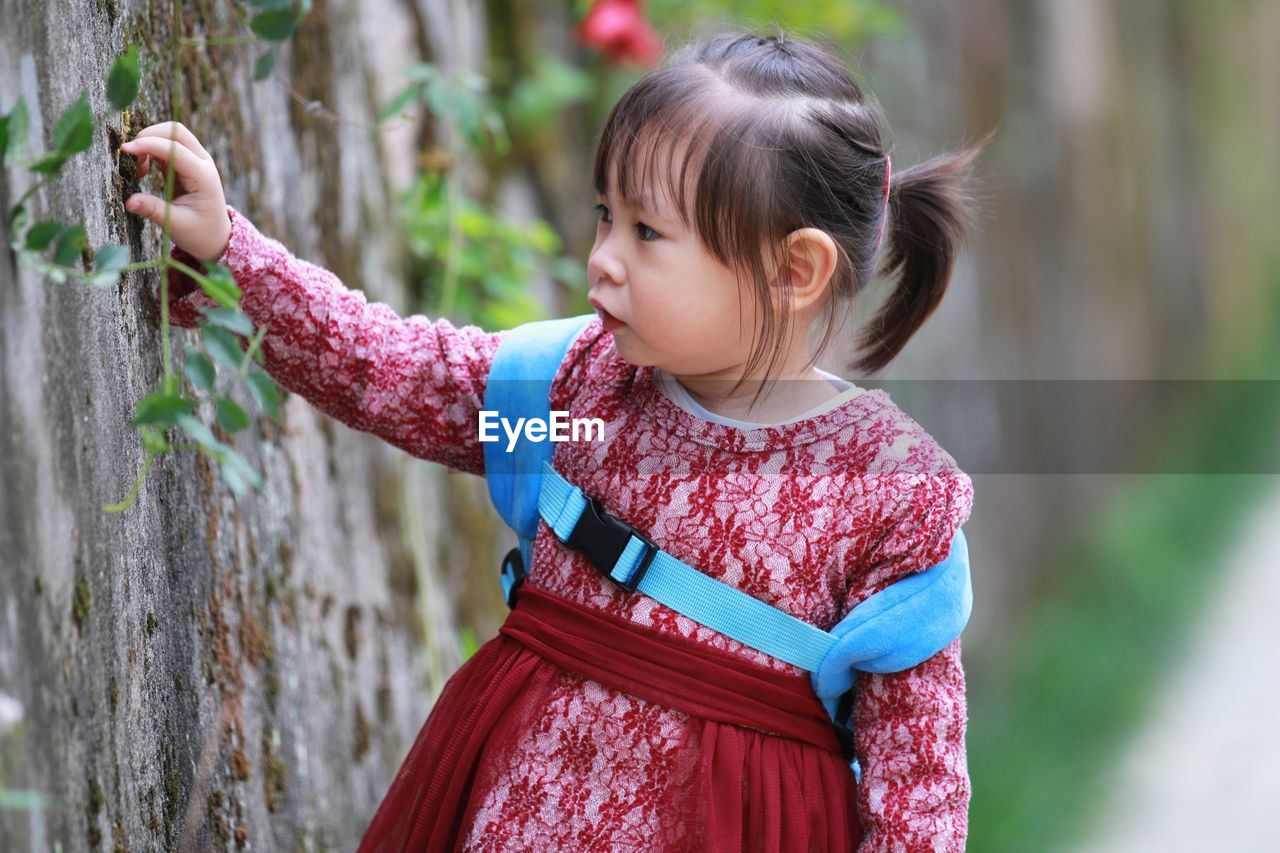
{"points": [[512, 573], [612, 545]]}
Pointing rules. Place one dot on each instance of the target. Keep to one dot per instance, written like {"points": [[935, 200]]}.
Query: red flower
{"points": [[618, 29]]}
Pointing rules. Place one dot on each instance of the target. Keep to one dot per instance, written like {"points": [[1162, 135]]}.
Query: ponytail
{"points": [[931, 214]]}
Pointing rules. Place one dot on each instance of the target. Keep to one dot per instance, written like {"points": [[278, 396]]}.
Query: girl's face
{"points": [[666, 300]]}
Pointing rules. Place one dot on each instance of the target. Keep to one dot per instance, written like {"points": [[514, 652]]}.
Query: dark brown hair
{"points": [[773, 134]]}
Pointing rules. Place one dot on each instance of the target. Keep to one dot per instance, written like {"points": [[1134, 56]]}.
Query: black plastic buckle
{"points": [[603, 538], [842, 725], [516, 560]]}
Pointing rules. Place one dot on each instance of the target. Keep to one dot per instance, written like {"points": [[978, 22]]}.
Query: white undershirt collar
{"points": [[679, 395]]}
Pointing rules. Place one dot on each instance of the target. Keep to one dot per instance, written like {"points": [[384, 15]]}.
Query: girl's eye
{"points": [[641, 228]]}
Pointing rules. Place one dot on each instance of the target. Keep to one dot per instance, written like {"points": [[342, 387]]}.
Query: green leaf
{"points": [[108, 261], [221, 286], [50, 163], [224, 346], [200, 370], [122, 82], [276, 25], [71, 245], [74, 131], [18, 217], [159, 407], [498, 131], [231, 476], [42, 234], [270, 5], [266, 62], [111, 257], [437, 98], [239, 474], [265, 392], [423, 72], [202, 435], [399, 102], [233, 320], [230, 415], [15, 136], [153, 439], [104, 279]]}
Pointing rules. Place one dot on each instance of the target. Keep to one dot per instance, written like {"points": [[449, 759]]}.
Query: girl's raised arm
{"points": [[414, 382]]}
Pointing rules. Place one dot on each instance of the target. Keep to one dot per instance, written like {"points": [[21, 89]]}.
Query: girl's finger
{"points": [[192, 171], [161, 165], [145, 164], [153, 208], [166, 129]]}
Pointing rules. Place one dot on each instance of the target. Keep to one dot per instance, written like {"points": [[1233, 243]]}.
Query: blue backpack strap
{"points": [[519, 386], [899, 627], [895, 629], [902, 625]]}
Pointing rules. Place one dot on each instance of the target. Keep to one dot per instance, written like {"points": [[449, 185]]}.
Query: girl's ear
{"points": [[808, 260]]}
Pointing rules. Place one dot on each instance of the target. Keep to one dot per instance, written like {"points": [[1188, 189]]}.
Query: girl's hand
{"points": [[198, 221]]}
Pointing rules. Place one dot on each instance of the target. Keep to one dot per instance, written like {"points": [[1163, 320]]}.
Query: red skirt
{"points": [[770, 773]]}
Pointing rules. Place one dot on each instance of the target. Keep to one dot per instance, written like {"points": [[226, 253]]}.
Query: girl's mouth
{"points": [[609, 321]]}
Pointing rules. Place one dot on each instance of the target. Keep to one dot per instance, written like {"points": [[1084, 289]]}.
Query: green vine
{"points": [[481, 260], [55, 250]]}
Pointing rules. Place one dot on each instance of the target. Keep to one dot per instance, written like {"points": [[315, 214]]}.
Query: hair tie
{"points": [[779, 42], [884, 220]]}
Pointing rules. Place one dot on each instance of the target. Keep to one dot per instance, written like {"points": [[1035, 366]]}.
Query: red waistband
{"points": [[673, 671]]}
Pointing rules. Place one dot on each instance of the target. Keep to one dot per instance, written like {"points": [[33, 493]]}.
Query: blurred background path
{"points": [[1204, 772]]}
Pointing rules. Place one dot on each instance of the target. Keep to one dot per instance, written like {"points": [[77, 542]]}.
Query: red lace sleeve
{"points": [[415, 382], [909, 726]]}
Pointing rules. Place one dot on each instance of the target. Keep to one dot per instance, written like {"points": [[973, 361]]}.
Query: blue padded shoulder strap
{"points": [[892, 630], [519, 386], [903, 625]]}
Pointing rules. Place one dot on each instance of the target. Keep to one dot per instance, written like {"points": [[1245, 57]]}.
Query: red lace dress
{"points": [[543, 742]]}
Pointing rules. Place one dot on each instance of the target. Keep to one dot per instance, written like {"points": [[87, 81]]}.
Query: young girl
{"points": [[744, 191]]}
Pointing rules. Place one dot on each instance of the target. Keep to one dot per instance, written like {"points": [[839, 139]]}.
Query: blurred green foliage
{"points": [[467, 643], [493, 257], [846, 22], [1045, 732], [537, 101], [472, 263]]}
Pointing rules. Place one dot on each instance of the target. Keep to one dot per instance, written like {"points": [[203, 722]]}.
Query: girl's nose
{"points": [[603, 265]]}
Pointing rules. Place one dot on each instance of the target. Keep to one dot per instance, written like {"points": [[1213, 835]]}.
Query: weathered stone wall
{"points": [[202, 671]]}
